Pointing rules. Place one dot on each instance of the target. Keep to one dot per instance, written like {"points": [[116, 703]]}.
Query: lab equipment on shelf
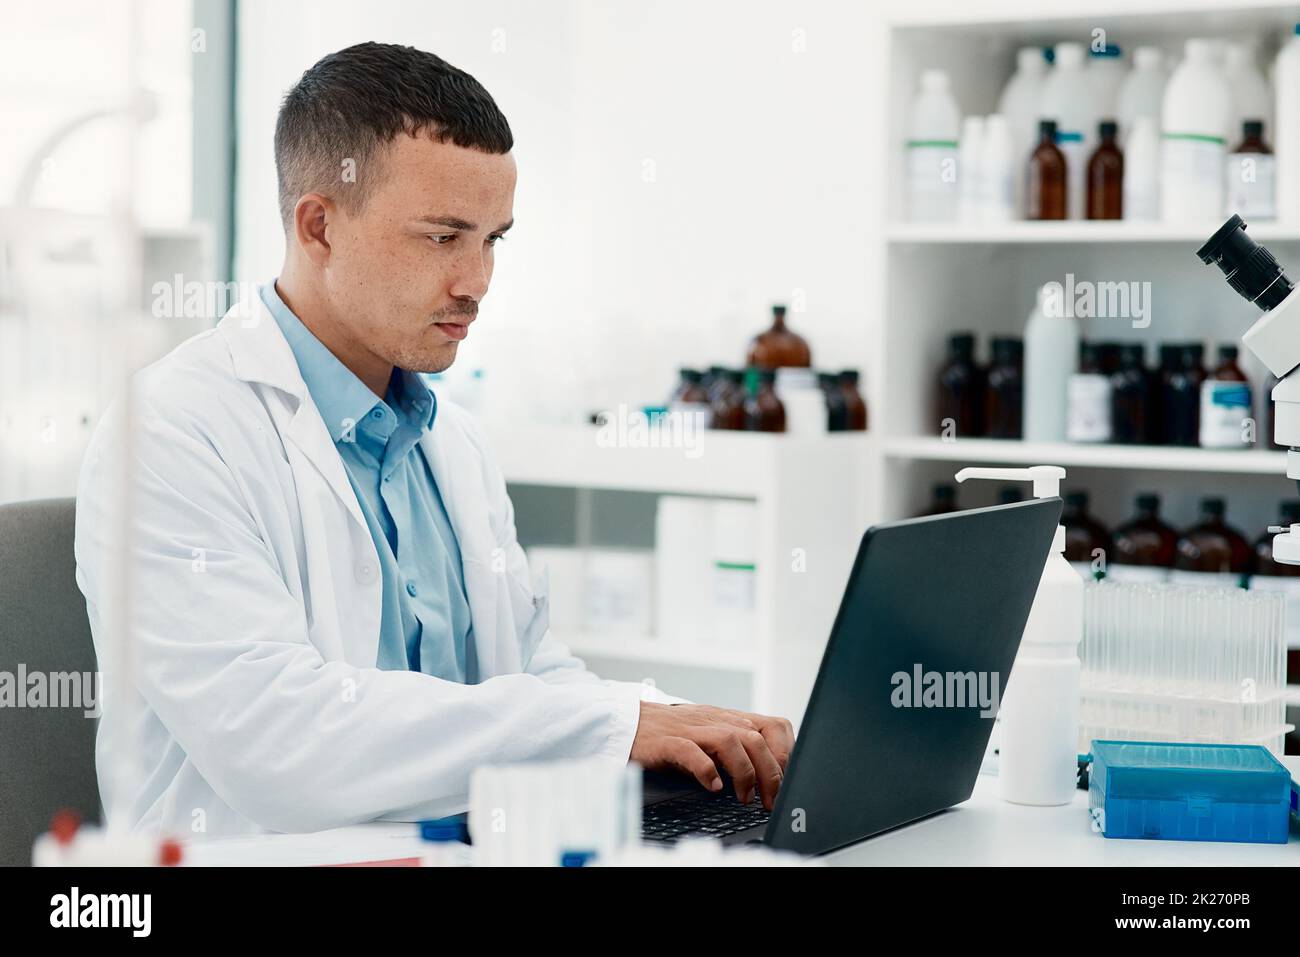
{"points": [[1144, 547], [1211, 552], [934, 125], [1195, 119], [1105, 176], [706, 558], [778, 346], [1188, 792], [1250, 188], [1286, 134], [1165, 662]]}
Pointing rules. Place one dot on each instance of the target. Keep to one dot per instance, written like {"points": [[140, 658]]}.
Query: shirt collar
{"points": [[342, 398]]}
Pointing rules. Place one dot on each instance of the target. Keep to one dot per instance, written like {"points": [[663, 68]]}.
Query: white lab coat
{"points": [[256, 607]]}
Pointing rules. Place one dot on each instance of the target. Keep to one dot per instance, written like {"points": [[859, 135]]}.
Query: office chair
{"points": [[47, 754]]}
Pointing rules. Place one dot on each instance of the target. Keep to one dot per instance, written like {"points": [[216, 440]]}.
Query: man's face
{"points": [[407, 271]]}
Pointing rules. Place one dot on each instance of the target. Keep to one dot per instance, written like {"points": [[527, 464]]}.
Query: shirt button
{"points": [[365, 574], [411, 589], [378, 413]]}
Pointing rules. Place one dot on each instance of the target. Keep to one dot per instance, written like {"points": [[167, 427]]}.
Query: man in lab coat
{"points": [[331, 620]]}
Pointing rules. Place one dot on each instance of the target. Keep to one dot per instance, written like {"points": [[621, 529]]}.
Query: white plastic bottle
{"points": [[1142, 171], [931, 151], [1067, 99], [1040, 702], [998, 167], [1286, 134], [1142, 93], [1051, 345], [1194, 130], [970, 173], [1019, 104], [1250, 96], [1106, 74]]}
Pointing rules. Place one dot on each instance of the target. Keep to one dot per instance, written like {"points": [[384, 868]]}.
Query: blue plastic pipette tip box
{"points": [[1189, 792]]}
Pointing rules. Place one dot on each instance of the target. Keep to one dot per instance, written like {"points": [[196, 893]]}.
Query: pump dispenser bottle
{"points": [[1040, 701]]}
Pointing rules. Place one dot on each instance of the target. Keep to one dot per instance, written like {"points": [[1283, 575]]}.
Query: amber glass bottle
{"points": [[1106, 176], [1212, 546], [1084, 535], [961, 389], [778, 346], [855, 407], [1004, 403], [727, 400], [1144, 541], [763, 410], [1045, 186]]}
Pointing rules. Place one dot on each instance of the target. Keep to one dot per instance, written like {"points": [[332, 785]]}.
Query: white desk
{"points": [[984, 831], [988, 831]]}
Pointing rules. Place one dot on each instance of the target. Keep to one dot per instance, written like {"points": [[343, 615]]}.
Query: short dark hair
{"points": [[352, 103]]}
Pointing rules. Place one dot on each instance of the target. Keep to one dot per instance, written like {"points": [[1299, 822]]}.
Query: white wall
{"points": [[682, 167]]}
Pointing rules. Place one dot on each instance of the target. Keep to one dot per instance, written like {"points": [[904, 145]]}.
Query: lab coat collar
{"points": [[261, 355]]}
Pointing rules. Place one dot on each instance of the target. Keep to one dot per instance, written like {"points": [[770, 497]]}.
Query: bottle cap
{"points": [[1213, 506], [1077, 500], [1047, 484], [1148, 502], [1046, 478], [1047, 128], [1252, 129], [1107, 128]]}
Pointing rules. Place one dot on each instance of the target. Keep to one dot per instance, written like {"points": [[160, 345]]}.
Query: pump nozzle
{"points": [[1046, 478]]}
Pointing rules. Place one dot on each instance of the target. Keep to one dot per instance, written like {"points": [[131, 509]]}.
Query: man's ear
{"points": [[311, 219]]}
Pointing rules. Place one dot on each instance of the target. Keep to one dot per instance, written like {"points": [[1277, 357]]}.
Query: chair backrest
{"points": [[47, 753]]}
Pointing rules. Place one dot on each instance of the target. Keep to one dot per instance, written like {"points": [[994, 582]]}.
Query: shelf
{"points": [[1021, 233], [1150, 457], [660, 651], [722, 464]]}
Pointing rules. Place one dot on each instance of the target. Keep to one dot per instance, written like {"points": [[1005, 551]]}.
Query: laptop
{"points": [[901, 712]]}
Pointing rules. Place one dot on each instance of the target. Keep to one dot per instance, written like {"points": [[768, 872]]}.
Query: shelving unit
{"points": [[808, 494], [942, 278]]}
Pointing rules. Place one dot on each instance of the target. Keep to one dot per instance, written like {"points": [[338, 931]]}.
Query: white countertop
{"points": [[988, 831], [984, 831]]}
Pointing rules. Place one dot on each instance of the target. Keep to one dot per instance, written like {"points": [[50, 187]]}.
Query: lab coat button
{"points": [[411, 589], [365, 574]]}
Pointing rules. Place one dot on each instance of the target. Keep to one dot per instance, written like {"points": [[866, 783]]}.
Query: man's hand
{"points": [[695, 739]]}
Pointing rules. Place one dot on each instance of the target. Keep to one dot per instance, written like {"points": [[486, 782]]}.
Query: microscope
{"points": [[1274, 339]]}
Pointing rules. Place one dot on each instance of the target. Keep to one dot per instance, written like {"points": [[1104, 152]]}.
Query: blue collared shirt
{"points": [[425, 624]]}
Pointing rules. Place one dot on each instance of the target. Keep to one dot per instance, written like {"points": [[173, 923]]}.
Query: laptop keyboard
{"points": [[703, 814]]}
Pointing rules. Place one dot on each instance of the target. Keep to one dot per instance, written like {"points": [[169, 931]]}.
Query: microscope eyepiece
{"points": [[1249, 268]]}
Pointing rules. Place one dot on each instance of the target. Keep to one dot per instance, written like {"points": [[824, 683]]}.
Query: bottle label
{"points": [[1191, 176], [1250, 189], [1137, 574], [932, 179], [1225, 408], [1088, 418], [734, 586]]}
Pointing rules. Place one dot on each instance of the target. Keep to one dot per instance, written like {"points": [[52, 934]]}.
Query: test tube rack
{"points": [[1182, 663]]}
